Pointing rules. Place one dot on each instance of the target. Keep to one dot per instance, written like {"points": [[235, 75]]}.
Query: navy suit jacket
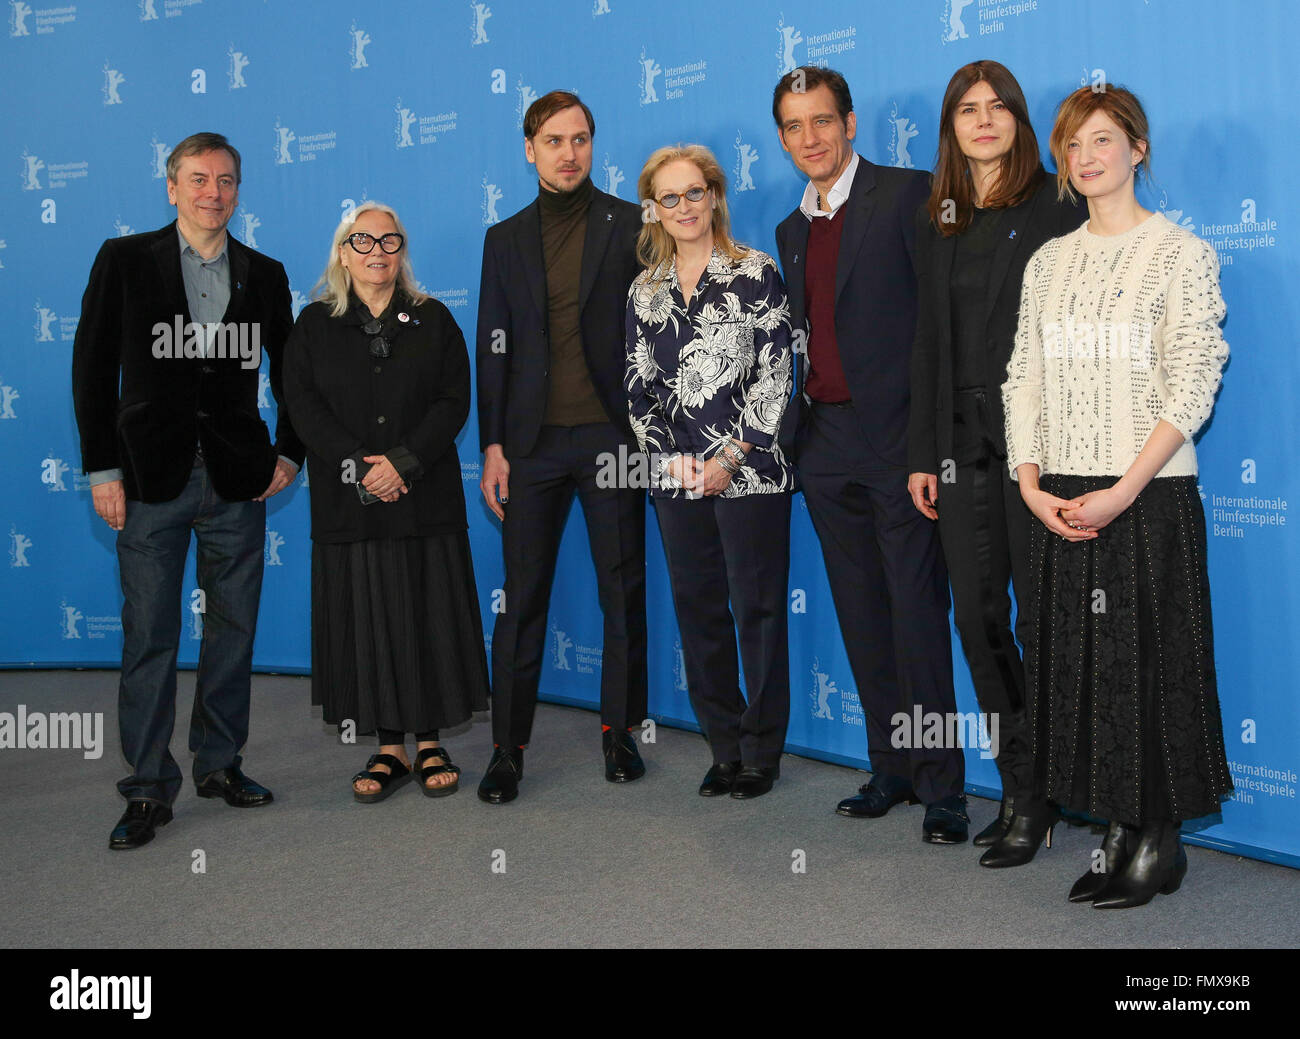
{"points": [[875, 303]]}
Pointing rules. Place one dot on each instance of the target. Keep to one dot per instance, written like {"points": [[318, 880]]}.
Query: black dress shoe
{"points": [[501, 781], [1116, 849], [622, 760], [995, 830], [752, 781], [946, 821], [138, 823], [1157, 863], [1031, 824], [236, 788], [719, 779], [877, 797]]}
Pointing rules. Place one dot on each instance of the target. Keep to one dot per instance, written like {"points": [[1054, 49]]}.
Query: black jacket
{"points": [[875, 302], [408, 406], [166, 407], [1028, 226], [513, 352]]}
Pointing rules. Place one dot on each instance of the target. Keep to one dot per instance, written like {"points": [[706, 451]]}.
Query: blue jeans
{"points": [[151, 551]]}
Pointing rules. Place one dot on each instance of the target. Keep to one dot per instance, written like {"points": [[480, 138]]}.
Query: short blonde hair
{"points": [[1120, 104], [335, 283], [655, 247]]}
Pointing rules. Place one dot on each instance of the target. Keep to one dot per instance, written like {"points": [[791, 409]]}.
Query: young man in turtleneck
{"points": [[550, 364]]}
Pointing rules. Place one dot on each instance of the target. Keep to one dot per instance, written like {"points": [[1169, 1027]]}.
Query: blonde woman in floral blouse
{"points": [[708, 378]]}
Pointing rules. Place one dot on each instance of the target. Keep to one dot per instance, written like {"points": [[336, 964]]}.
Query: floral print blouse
{"points": [[712, 370]]}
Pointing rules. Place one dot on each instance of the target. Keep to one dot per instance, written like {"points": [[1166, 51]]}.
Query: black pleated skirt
{"points": [[397, 640], [1123, 703]]}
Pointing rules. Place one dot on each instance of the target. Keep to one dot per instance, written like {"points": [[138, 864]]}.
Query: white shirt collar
{"points": [[838, 195]]}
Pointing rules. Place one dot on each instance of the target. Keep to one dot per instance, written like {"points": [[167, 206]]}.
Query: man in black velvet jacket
{"points": [[164, 380], [551, 363]]}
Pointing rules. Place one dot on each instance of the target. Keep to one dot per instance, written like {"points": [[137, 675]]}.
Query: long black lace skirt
{"points": [[396, 636], [1123, 704]]}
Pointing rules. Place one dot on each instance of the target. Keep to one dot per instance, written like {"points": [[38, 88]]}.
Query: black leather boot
{"points": [[1116, 848], [995, 830], [1032, 822], [1157, 863]]}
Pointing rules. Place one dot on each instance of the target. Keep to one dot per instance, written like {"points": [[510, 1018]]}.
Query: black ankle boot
{"points": [[1116, 848], [995, 830], [1032, 822], [1157, 863]]}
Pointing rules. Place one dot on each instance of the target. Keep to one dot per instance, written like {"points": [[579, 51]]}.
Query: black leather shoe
{"points": [[235, 788], [138, 823], [995, 830], [1116, 848], [622, 760], [1030, 826], [719, 779], [501, 781], [946, 821], [877, 797], [752, 781], [1158, 863]]}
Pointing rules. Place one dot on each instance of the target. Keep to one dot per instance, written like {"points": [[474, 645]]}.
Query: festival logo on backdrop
{"points": [[274, 542], [599, 7], [7, 397], [478, 25], [122, 229], [52, 472], [158, 164], [831, 703], [238, 62], [248, 225], [427, 127], [560, 646], [613, 177], [112, 80], [32, 166], [264, 395], [746, 156], [677, 79], [526, 96], [45, 19], [901, 132], [69, 620], [491, 196], [148, 11], [358, 40], [954, 26], [45, 319], [309, 145], [18, 546], [297, 301], [820, 48]]}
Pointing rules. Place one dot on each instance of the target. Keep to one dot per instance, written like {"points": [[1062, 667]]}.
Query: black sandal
{"points": [[389, 782], [427, 771]]}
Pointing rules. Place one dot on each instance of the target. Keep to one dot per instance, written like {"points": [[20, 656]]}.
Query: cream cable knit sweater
{"points": [[1115, 334]]}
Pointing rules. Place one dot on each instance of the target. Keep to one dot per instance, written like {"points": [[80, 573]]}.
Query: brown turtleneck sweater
{"points": [[571, 398]]}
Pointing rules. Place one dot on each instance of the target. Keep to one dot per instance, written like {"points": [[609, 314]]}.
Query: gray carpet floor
{"points": [[586, 863]]}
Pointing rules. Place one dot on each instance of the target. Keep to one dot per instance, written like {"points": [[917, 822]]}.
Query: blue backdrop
{"points": [[420, 105]]}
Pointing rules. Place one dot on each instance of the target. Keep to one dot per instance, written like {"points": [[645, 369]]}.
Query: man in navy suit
{"points": [[848, 252], [164, 382], [551, 363]]}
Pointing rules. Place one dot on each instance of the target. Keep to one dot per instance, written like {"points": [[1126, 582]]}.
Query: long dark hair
{"points": [[1021, 171]]}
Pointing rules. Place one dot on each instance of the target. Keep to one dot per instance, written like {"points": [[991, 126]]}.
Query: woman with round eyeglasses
{"points": [[991, 205], [708, 378], [377, 379], [1117, 361]]}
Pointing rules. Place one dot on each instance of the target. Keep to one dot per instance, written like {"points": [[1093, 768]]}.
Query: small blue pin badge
{"points": [[1012, 234], [239, 286], [796, 258], [609, 217]]}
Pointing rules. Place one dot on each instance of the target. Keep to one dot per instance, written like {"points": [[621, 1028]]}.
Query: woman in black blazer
{"points": [[991, 205], [377, 375]]}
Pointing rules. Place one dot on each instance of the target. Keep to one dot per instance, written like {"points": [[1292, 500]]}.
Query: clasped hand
{"points": [[383, 481]]}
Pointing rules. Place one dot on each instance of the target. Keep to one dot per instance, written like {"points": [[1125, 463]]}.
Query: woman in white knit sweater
{"points": [[1117, 360]]}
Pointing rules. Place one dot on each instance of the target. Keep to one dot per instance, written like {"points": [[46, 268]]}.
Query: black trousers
{"points": [[725, 554], [542, 484], [985, 526], [890, 587]]}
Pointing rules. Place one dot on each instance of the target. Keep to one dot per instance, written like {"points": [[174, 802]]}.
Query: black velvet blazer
{"points": [[147, 414]]}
